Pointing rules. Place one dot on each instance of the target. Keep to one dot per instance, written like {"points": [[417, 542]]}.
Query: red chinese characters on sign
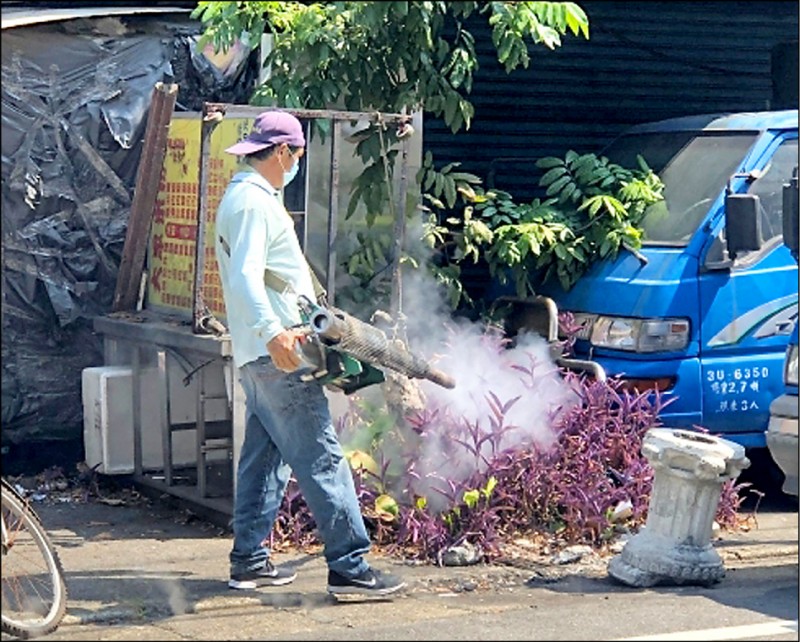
{"points": [[174, 229], [182, 232]]}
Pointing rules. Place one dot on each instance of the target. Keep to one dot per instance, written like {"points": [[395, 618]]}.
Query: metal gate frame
{"points": [[213, 115]]}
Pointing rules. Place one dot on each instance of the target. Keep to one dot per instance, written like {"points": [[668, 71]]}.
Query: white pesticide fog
{"points": [[481, 367], [520, 384], [516, 388]]}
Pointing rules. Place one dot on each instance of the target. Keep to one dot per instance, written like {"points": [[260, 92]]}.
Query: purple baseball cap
{"points": [[270, 128]]}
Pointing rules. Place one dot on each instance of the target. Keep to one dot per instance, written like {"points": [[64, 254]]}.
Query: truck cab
{"points": [[703, 312]]}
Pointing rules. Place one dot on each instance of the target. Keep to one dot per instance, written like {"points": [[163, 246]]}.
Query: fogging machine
{"points": [[348, 353]]}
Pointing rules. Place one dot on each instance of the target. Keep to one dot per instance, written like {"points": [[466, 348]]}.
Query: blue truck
{"points": [[704, 310], [782, 440]]}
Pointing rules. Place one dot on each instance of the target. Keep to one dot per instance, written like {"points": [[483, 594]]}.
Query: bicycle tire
{"points": [[34, 596]]}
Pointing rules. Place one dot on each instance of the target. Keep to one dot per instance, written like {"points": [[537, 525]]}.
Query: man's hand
{"points": [[282, 349]]}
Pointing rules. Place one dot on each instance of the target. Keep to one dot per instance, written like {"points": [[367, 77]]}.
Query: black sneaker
{"points": [[267, 575], [370, 582]]}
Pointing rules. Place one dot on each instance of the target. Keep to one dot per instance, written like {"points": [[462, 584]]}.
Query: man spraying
{"points": [[288, 424]]}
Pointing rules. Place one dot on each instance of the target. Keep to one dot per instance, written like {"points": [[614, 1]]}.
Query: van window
{"points": [[694, 167], [769, 188]]}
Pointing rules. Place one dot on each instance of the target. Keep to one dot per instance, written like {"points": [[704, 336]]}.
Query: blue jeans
{"points": [[289, 429]]}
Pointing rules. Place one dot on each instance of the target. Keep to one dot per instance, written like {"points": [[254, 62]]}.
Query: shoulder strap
{"points": [[319, 291], [274, 282]]}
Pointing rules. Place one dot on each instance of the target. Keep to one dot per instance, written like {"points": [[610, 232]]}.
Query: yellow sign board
{"points": [[173, 235]]}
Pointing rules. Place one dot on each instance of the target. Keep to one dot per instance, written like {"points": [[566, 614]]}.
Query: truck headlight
{"points": [[790, 373], [640, 335]]}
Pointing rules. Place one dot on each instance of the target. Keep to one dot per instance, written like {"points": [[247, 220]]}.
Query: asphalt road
{"points": [[758, 603], [144, 573]]}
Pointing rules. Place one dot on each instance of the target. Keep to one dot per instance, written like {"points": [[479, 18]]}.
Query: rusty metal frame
{"points": [[214, 113], [211, 118], [148, 333], [154, 150]]}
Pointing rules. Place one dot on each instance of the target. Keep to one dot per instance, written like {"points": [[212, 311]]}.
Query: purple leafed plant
{"points": [[437, 477]]}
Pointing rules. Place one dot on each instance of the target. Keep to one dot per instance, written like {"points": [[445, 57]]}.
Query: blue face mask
{"points": [[288, 177]]}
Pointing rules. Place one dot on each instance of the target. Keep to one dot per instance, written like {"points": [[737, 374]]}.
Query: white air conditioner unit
{"points": [[108, 422]]}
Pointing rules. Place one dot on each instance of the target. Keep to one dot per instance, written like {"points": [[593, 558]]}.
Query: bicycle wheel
{"points": [[34, 592]]}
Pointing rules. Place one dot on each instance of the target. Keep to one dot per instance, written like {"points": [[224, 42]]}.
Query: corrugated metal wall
{"points": [[644, 61]]}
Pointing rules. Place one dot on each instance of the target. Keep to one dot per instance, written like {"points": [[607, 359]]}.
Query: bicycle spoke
{"points": [[34, 594]]}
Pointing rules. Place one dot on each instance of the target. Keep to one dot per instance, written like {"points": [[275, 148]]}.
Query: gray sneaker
{"points": [[267, 575], [370, 582]]}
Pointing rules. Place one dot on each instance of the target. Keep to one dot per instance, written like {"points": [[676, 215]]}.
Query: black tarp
{"points": [[74, 108]]}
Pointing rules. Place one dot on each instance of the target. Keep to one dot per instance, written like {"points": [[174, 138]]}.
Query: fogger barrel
{"points": [[370, 344]]}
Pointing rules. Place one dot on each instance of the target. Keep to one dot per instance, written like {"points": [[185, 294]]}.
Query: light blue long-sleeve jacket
{"points": [[260, 235]]}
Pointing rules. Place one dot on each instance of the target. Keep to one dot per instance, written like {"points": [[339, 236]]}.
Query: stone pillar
{"points": [[675, 544]]}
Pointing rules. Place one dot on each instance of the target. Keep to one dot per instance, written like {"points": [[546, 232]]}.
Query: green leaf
{"points": [[430, 178], [458, 121], [576, 19], [466, 177], [450, 107], [552, 175], [607, 182], [548, 162], [585, 161], [447, 168], [504, 49], [439, 185], [557, 185], [567, 192], [450, 191]]}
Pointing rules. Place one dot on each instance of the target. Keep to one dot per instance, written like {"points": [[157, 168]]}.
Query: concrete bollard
{"points": [[675, 544]]}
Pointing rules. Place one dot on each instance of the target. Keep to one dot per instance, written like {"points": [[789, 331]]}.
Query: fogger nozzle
{"points": [[368, 343]]}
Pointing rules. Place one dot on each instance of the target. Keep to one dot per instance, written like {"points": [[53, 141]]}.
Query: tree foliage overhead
{"points": [[392, 57], [404, 57], [385, 56]]}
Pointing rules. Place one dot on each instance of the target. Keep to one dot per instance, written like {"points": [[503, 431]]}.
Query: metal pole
{"points": [[399, 235], [251, 111], [333, 211], [211, 118]]}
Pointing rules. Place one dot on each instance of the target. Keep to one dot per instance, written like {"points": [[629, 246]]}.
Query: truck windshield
{"points": [[694, 166]]}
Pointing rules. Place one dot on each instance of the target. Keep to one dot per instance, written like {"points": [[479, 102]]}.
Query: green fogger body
{"points": [[348, 353]]}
